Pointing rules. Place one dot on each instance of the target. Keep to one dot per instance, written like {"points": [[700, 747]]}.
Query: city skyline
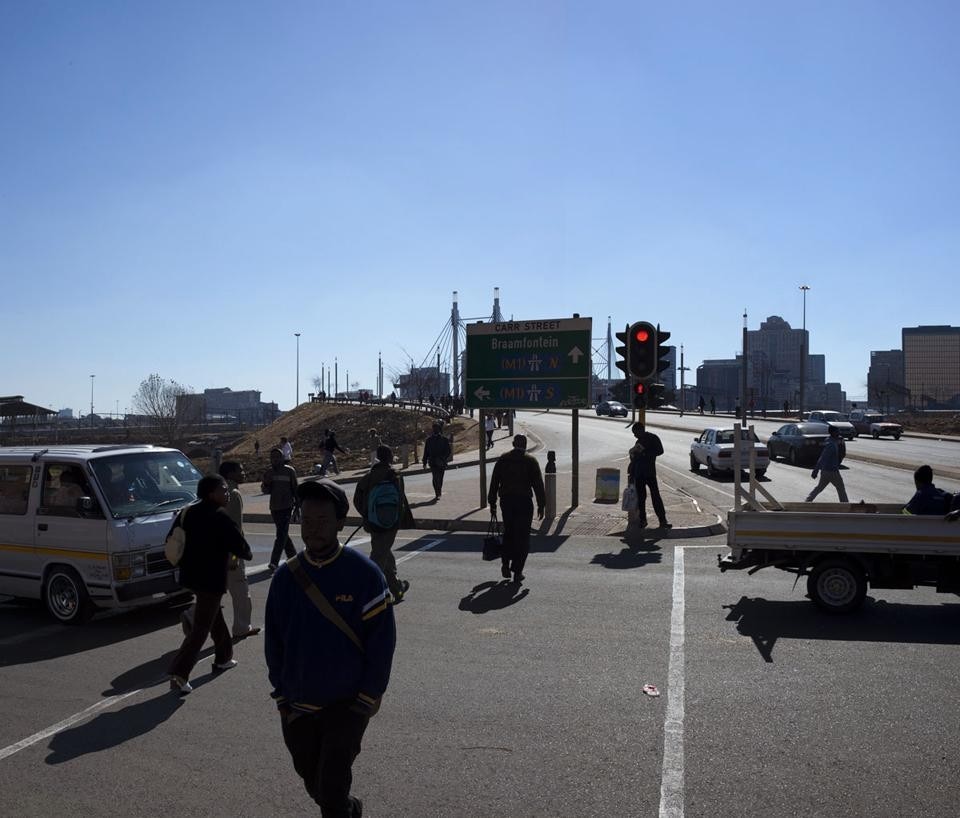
{"points": [[187, 187]]}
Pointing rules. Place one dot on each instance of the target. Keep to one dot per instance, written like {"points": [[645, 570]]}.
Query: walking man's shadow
{"points": [[492, 596]]}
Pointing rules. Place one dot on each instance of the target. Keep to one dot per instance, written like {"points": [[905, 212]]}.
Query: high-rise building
{"points": [[773, 372], [931, 366], [885, 386]]}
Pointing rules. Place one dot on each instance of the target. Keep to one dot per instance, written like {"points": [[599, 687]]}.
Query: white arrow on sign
{"points": [[575, 354], [481, 393]]}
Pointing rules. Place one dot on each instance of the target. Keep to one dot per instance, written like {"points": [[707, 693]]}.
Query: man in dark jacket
{"points": [[383, 534], [642, 472], [330, 446], [436, 453], [211, 537], [515, 476], [927, 499], [328, 670]]}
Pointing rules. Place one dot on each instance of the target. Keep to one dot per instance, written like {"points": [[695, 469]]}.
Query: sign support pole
{"points": [[575, 453], [482, 415]]}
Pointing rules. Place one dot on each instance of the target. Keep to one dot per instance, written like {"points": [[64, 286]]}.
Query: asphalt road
{"points": [[519, 702]]}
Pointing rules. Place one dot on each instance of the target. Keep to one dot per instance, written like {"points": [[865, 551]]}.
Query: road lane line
{"points": [[6, 752], [425, 547], [728, 495], [671, 780]]}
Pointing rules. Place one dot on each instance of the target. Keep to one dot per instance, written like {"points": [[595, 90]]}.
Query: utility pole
{"points": [[683, 391], [455, 328], [91, 400], [803, 354], [297, 334], [743, 393]]}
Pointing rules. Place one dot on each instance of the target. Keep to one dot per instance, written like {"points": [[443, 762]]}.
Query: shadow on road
{"points": [[66, 640], [492, 596], [465, 543], [112, 729], [878, 621], [636, 553]]}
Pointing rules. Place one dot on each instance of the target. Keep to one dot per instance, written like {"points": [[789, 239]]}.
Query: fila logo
{"points": [[344, 598]]}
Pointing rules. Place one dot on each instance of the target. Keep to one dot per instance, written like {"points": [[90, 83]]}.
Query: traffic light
{"points": [[643, 350], [655, 395], [624, 351], [663, 351], [640, 395]]}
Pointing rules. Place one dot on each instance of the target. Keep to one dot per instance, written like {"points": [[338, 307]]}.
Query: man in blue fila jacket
{"points": [[330, 636]]}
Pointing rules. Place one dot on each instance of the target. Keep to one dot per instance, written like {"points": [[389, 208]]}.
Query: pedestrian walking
{"points": [[436, 455], [330, 638], [330, 446], [237, 585], [211, 537], [642, 472], [375, 443], [382, 503], [515, 477], [488, 426], [713, 405], [286, 449], [280, 482], [828, 467], [701, 404], [256, 447]]}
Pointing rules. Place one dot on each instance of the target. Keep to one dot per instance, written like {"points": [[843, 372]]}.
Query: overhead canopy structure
{"points": [[14, 406]]}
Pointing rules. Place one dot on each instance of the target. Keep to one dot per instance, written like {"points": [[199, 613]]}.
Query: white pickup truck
{"points": [[842, 548]]}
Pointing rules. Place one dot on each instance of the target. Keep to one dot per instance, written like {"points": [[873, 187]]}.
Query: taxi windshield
{"points": [[146, 482]]}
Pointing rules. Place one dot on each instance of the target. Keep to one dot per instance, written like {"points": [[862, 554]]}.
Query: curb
{"points": [[481, 526]]}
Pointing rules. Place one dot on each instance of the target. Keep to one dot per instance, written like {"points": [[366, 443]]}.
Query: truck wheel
{"points": [[694, 465], [875, 434], [66, 596], [837, 586]]}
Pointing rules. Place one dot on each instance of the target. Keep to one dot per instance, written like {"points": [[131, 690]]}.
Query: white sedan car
{"points": [[714, 449]]}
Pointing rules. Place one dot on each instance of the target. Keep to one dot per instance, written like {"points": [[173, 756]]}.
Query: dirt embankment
{"points": [[305, 425]]}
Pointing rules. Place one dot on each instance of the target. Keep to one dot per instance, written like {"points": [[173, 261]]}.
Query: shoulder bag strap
{"points": [[322, 603]]}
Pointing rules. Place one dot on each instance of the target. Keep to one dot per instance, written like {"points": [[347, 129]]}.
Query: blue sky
{"points": [[183, 186]]}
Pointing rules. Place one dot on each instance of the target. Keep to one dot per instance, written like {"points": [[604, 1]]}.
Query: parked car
{"points": [[612, 408], [713, 448], [831, 418], [798, 442], [868, 422]]}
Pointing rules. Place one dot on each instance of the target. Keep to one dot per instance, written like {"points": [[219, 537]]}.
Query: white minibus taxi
{"points": [[83, 527]]}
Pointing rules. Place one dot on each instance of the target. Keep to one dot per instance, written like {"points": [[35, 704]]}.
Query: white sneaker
{"points": [[181, 686], [219, 667]]}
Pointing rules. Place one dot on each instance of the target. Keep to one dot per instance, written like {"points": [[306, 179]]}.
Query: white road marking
{"points": [[6, 752], [726, 494], [671, 780], [425, 547]]}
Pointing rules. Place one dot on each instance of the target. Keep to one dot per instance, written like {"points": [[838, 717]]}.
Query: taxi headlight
{"points": [[129, 566]]}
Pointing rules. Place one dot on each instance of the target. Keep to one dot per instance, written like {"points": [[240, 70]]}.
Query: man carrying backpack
{"points": [[380, 500]]}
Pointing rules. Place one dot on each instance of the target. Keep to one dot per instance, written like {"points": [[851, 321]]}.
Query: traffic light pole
{"points": [[575, 452]]}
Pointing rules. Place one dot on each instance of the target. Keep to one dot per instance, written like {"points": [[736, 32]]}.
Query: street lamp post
{"points": [[91, 400], [803, 354], [297, 334]]}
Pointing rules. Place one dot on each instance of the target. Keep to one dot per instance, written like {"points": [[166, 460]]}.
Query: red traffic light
{"points": [[640, 389], [643, 336]]}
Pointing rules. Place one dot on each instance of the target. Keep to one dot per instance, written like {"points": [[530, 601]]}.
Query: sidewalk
{"points": [[460, 509]]}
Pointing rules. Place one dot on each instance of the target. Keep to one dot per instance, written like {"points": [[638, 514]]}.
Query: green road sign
{"points": [[529, 364]]}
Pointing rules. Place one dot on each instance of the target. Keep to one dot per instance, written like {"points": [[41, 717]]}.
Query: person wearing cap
{"points": [[330, 639], [516, 476], [436, 453], [642, 472], [828, 467], [382, 538]]}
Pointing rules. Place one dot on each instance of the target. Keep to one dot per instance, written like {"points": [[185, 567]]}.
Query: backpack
{"points": [[384, 505], [176, 540]]}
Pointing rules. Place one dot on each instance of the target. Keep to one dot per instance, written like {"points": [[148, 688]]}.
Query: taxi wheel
{"points": [[66, 596], [711, 471]]}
